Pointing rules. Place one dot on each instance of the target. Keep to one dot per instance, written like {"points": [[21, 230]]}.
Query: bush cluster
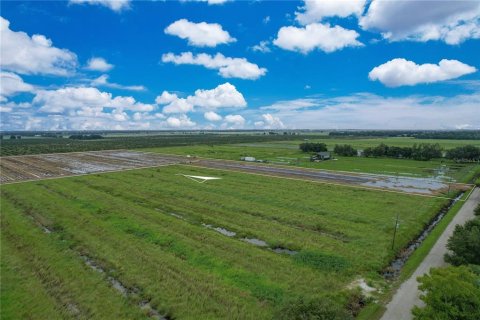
{"points": [[345, 150], [468, 153], [454, 292], [313, 147], [422, 151]]}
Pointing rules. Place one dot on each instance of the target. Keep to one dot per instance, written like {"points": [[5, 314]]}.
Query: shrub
{"points": [[468, 153], [318, 308], [321, 261], [449, 293], [313, 147], [423, 151], [345, 150], [465, 244]]}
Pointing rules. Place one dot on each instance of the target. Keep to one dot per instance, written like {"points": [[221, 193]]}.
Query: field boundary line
{"points": [[89, 173], [468, 196], [321, 182], [315, 169]]}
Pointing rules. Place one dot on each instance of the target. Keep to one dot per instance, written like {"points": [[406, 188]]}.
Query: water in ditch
{"points": [[393, 270]]}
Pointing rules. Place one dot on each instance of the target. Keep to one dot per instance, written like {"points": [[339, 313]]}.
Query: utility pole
{"points": [[395, 231]]}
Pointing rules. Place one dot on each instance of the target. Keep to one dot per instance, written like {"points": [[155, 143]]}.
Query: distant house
{"points": [[321, 156], [359, 153], [249, 159]]}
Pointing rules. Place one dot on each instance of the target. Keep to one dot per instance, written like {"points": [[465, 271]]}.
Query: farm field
{"points": [[288, 153], [34, 167], [152, 243], [369, 181]]}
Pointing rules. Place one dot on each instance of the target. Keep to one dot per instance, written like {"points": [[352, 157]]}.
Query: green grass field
{"points": [[362, 143], [288, 153], [144, 228]]}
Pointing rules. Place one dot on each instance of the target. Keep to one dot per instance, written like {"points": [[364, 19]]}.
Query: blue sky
{"points": [[98, 64]]}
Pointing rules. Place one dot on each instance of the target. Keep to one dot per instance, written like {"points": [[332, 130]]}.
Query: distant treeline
{"points": [[452, 135], [422, 151], [86, 136], [345, 150], [313, 147], [465, 153], [49, 145]]}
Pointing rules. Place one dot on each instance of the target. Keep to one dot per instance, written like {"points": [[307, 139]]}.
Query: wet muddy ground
{"points": [[392, 183], [44, 166]]}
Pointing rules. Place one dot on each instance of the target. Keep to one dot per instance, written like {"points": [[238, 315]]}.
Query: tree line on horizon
{"points": [[422, 151]]}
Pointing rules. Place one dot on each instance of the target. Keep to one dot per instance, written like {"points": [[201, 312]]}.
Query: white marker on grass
{"points": [[199, 179]]}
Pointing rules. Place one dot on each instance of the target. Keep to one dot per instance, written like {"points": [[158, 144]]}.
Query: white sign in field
{"points": [[200, 179]]}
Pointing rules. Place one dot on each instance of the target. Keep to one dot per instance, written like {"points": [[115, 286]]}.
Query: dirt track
{"points": [[399, 184]]}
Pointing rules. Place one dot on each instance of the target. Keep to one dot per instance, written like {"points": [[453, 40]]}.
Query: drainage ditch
{"points": [[393, 270]]}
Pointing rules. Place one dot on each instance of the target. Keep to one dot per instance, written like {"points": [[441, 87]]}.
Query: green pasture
{"points": [[288, 153], [145, 228]]}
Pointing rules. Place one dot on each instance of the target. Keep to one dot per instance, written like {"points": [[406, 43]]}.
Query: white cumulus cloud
{"points": [[212, 116], [401, 72], [84, 100], [166, 97], [99, 64], [227, 67], [234, 121], [316, 10], [11, 106], [199, 34], [271, 122], [23, 54], [450, 21], [210, 2], [178, 106], [115, 5], [11, 84], [262, 46], [180, 122], [316, 36], [223, 96], [102, 81]]}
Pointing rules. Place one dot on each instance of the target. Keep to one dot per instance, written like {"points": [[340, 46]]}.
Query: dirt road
{"points": [[374, 181], [407, 295]]}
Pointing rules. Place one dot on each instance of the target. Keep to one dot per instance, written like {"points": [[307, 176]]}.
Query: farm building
{"points": [[249, 159], [321, 156]]}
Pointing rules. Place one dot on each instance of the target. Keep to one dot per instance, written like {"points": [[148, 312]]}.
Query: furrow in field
{"points": [[76, 291], [183, 280], [181, 231], [377, 218]]}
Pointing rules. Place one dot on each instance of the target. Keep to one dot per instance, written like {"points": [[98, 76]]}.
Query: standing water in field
{"points": [[124, 291], [223, 231], [407, 184], [256, 242], [393, 270]]}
